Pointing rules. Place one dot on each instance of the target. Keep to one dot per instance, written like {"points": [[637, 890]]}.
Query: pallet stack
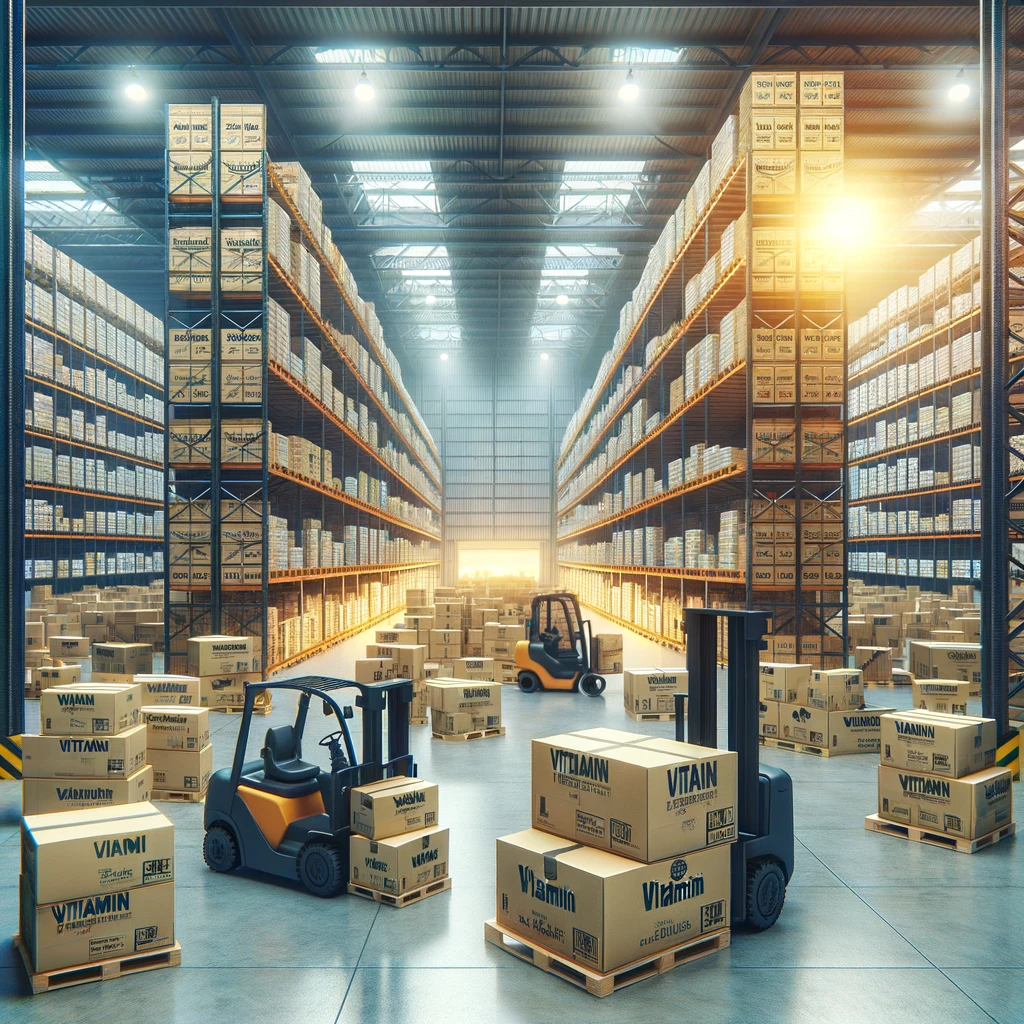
{"points": [[179, 751], [627, 864], [647, 693], [223, 665], [90, 751], [398, 853], [96, 895], [819, 711], [938, 782], [463, 709]]}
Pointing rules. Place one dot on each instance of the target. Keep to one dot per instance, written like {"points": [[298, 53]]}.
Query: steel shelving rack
{"points": [[807, 606], [218, 508], [72, 320]]}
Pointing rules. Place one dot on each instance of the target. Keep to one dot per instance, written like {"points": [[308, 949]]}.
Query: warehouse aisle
{"points": [[855, 931]]}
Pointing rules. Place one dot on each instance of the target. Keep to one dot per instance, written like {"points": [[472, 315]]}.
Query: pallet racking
{"points": [[705, 466], [94, 428], [303, 490]]}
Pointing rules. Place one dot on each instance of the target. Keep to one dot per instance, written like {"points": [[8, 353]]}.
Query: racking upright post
{"points": [[12, 375]]}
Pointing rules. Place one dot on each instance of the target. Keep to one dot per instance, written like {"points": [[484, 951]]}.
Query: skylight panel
{"points": [[359, 55], [601, 167], [645, 54]]}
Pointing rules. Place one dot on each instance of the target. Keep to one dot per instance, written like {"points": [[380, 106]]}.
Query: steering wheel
{"points": [[334, 737], [334, 742]]}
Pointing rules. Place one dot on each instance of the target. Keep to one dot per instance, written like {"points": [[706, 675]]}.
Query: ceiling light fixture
{"points": [[544, 356], [364, 91], [562, 300], [444, 357], [960, 89], [430, 300], [630, 90], [135, 90]]}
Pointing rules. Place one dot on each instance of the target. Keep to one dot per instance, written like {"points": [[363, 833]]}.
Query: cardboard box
{"points": [[947, 696], [783, 682], [639, 797], [181, 771], [82, 930], [478, 701], [374, 670], [84, 757], [768, 718], [56, 675], [603, 911], [228, 691], [951, 745], [176, 728], [40, 796], [96, 850], [89, 709], [840, 732], [409, 660], [606, 653], [933, 660], [400, 863], [120, 660], [482, 669], [500, 649], [508, 631], [650, 690], [220, 655], [393, 806], [62, 646], [835, 689], [968, 807], [169, 689]]}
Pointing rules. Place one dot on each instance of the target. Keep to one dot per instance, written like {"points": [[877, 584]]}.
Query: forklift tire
{"points": [[766, 893], [593, 685], [220, 850], [529, 682], [321, 869]]}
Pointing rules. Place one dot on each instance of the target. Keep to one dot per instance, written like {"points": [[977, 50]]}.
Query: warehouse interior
{"points": [[492, 377]]}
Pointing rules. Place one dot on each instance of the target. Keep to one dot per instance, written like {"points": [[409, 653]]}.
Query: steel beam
{"points": [[995, 662], [12, 370]]}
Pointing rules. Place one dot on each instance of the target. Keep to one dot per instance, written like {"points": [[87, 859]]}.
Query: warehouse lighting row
{"points": [[544, 356]]}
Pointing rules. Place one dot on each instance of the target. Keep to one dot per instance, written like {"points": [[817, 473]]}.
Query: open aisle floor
{"points": [[874, 929]]}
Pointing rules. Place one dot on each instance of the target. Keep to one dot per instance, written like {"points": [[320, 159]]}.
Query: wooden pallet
{"points": [[101, 970], [916, 834], [651, 716], [406, 899], [597, 984], [476, 734], [174, 796], [231, 709], [419, 721], [887, 682], [799, 748]]}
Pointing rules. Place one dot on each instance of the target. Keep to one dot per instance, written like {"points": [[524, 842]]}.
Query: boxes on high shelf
{"points": [[374, 670], [458, 706], [190, 126], [242, 126], [946, 696], [606, 653], [595, 908], [835, 689], [41, 796], [930, 660], [949, 745], [640, 797], [89, 709], [181, 771], [393, 807], [400, 863], [189, 174], [968, 807], [475, 668], [120, 662], [840, 732], [650, 690], [784, 682]]}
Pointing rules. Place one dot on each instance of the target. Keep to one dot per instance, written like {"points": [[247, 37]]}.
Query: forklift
{"points": [[285, 816], [553, 658], [762, 856]]}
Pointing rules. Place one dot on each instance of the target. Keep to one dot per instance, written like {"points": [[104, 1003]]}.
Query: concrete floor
{"points": [[874, 929]]}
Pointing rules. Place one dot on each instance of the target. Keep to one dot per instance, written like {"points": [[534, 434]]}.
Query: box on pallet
{"points": [[400, 863], [640, 797], [181, 771], [40, 796], [601, 910], [169, 689], [950, 745], [929, 660], [783, 682], [228, 691], [120, 662], [835, 689], [650, 690], [967, 807], [393, 806], [220, 655], [84, 757], [89, 709], [460, 706], [606, 652], [840, 732]]}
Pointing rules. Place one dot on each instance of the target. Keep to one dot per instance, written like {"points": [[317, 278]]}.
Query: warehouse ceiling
{"points": [[495, 192]]}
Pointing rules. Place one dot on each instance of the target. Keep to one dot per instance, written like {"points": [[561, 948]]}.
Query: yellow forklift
{"points": [[557, 655]]}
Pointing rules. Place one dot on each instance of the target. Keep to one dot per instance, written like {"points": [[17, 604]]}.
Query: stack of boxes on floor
{"points": [[629, 851], [465, 708], [397, 851], [90, 751], [944, 676], [819, 711], [938, 774], [397, 654], [179, 750], [96, 884], [648, 693], [61, 629], [223, 665], [606, 653]]}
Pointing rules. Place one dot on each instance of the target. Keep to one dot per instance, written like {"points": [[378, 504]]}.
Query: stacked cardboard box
{"points": [[818, 711], [938, 773], [606, 653], [397, 654], [397, 848], [120, 662], [90, 751], [179, 750], [946, 696], [625, 828], [648, 692], [166, 690], [462, 708], [223, 665], [96, 884]]}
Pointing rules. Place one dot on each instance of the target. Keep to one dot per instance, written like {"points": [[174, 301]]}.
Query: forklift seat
{"points": [[280, 758]]}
